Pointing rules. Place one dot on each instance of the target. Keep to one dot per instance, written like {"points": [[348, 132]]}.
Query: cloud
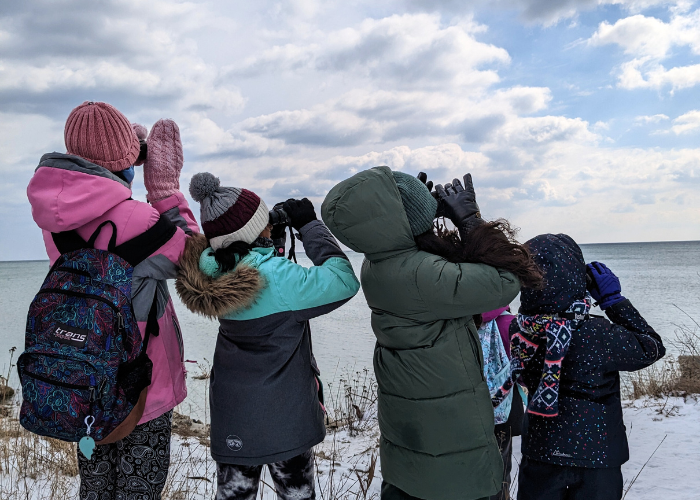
{"points": [[646, 119], [123, 49], [545, 12], [638, 35], [687, 123], [371, 117], [410, 50], [649, 41]]}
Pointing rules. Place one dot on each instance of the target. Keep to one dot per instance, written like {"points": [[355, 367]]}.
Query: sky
{"points": [[575, 116]]}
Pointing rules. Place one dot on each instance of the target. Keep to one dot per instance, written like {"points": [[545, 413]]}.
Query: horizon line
{"points": [[580, 244]]}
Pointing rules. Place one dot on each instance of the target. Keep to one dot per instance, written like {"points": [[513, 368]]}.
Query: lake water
{"points": [[660, 279]]}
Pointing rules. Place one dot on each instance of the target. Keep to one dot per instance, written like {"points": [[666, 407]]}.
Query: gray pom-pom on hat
{"points": [[203, 185]]}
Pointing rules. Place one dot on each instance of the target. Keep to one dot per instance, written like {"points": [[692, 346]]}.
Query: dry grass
{"points": [[32, 466], [675, 375], [350, 402]]}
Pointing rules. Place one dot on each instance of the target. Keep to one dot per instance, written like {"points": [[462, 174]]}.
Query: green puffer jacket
{"points": [[435, 413]]}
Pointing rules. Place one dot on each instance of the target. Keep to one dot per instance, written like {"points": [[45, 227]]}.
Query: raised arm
{"points": [[331, 282], [632, 344], [456, 290]]}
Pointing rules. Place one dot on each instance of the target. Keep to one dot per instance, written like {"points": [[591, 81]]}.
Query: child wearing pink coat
{"points": [[80, 190]]}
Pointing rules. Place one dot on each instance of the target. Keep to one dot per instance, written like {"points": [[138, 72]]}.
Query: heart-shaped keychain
{"points": [[86, 443]]}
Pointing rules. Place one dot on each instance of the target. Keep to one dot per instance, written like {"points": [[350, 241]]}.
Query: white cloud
{"points": [[639, 35], [546, 12], [646, 119], [410, 50], [649, 41], [122, 48], [686, 123]]}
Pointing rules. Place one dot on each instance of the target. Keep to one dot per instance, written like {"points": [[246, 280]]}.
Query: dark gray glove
{"points": [[460, 205], [423, 177]]}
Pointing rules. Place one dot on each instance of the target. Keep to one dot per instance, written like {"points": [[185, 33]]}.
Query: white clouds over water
{"points": [[289, 98]]}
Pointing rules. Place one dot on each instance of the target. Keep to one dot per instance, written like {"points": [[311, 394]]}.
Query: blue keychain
{"points": [[86, 443]]}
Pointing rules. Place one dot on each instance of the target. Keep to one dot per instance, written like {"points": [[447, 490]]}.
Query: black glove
{"points": [[460, 204], [300, 212], [423, 177]]}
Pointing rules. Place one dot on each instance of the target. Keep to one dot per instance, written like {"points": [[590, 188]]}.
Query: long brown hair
{"points": [[491, 243]]}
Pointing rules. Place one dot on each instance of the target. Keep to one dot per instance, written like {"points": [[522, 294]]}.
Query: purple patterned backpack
{"points": [[84, 370]]}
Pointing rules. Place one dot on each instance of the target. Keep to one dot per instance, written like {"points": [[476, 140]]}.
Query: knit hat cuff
{"points": [[115, 165], [248, 233]]}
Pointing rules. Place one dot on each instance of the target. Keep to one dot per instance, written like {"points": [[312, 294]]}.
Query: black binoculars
{"points": [[278, 217]]}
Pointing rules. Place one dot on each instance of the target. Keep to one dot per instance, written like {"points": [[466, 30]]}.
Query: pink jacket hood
{"points": [[66, 192]]}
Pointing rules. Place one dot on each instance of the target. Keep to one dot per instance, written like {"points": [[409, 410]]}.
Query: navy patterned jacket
{"points": [[589, 430]]}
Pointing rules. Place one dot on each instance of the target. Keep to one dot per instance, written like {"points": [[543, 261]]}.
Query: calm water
{"points": [[659, 278]]}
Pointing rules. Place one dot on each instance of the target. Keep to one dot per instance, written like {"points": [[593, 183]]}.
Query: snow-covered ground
{"points": [[664, 437]]}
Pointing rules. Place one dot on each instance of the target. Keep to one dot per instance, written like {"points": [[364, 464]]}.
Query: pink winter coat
{"points": [[68, 192]]}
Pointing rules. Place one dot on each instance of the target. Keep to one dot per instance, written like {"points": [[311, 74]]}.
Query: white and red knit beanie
{"points": [[228, 214]]}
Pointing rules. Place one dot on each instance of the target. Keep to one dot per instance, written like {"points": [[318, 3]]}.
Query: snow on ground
{"points": [[673, 472], [664, 437]]}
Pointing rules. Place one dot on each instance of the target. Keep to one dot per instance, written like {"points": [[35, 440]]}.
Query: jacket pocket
{"points": [[476, 349], [180, 342]]}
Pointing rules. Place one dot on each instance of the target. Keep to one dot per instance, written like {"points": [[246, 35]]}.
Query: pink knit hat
{"points": [[102, 135]]}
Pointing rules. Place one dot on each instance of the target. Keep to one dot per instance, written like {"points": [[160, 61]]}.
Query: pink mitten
{"points": [[161, 172]]}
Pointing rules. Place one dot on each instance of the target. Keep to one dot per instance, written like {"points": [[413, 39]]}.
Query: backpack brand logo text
{"points": [[70, 335]]}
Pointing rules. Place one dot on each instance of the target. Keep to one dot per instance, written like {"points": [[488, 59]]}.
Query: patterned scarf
{"points": [[556, 331]]}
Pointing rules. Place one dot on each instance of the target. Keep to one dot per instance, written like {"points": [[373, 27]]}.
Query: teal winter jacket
{"points": [[263, 398]]}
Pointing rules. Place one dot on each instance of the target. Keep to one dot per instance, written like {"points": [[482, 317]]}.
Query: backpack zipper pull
{"points": [[120, 321], [92, 394]]}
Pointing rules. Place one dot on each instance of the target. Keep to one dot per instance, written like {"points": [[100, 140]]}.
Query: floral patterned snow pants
{"points": [[293, 479], [134, 468]]}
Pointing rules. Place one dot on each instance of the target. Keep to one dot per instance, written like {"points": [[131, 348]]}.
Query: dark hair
{"points": [[228, 257], [491, 243]]}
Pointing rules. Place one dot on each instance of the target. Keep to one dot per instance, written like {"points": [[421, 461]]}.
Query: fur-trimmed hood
{"points": [[214, 297]]}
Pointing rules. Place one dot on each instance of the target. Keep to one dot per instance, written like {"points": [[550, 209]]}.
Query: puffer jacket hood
{"points": [[366, 214], [67, 191], [214, 296], [564, 269]]}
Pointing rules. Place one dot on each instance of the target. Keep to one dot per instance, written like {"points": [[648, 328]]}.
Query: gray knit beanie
{"points": [[419, 204]]}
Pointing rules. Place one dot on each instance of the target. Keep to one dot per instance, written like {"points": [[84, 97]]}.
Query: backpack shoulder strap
{"points": [[68, 241], [134, 251], [138, 248]]}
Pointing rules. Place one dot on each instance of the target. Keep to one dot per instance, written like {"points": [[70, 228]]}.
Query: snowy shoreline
{"points": [[663, 433]]}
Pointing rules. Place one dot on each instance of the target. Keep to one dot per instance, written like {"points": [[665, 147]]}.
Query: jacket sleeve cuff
{"points": [[172, 201], [319, 244]]}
